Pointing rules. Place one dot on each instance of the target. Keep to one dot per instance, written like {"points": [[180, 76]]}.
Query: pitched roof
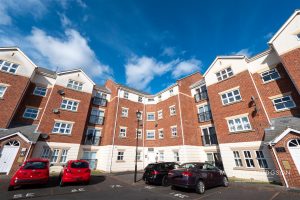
{"points": [[29, 132], [102, 88], [45, 71]]}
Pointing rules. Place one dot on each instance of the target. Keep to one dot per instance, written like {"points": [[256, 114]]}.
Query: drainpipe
{"points": [[181, 124], [283, 175], [143, 135], [28, 151], [113, 142]]}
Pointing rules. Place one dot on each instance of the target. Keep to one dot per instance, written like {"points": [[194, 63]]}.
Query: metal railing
{"points": [[92, 140], [209, 140], [204, 116], [201, 96], [95, 119], [99, 101], [92, 163]]}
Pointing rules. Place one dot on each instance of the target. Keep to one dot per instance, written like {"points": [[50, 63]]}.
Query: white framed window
{"points": [[31, 113], [150, 134], [171, 92], [150, 116], [93, 136], [231, 97], [209, 136], [172, 110], [62, 128], [150, 100], [283, 103], [125, 95], [68, 104], [161, 156], [123, 132], [139, 133], [159, 98], [262, 162], [176, 156], [75, 85], [298, 36], [2, 90], [204, 113], [249, 159], [63, 157], [97, 116], [54, 156], [141, 116], [224, 74], [101, 95], [270, 75], [139, 156], [239, 124], [8, 67], [161, 134], [46, 152], [237, 159], [174, 131], [40, 91], [124, 112], [140, 99], [120, 156], [159, 114]]}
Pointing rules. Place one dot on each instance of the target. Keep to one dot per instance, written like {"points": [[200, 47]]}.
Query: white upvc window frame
{"points": [[75, 85], [40, 91], [73, 104], [176, 156], [124, 112], [224, 72], [3, 90], [172, 110], [242, 124], [147, 134], [139, 133], [126, 95], [261, 159], [161, 155], [270, 72], [236, 97], [161, 134], [46, 153], [27, 111], [248, 157], [160, 114], [11, 67], [64, 155], [237, 159], [58, 125], [283, 102], [123, 134], [139, 155], [174, 131], [140, 99], [150, 113], [171, 92], [54, 155], [120, 155], [298, 36]]}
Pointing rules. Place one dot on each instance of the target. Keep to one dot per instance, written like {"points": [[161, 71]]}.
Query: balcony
{"points": [[209, 140], [95, 119], [92, 140], [100, 101], [92, 162], [204, 116], [201, 96]]}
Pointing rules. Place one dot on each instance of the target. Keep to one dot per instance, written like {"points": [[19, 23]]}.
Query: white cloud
{"points": [[186, 67], [64, 20], [269, 35], [168, 51], [244, 52], [140, 71], [69, 52]]}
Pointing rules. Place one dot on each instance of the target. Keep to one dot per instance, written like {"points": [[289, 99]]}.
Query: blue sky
{"points": [[145, 44]]}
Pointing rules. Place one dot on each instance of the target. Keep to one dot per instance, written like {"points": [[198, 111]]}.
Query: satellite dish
{"points": [[61, 92], [55, 111], [44, 136]]}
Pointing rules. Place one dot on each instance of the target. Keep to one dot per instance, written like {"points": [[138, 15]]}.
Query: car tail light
{"points": [[186, 173], [88, 171], [155, 172]]}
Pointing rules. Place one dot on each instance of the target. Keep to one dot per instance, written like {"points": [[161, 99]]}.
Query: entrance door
{"points": [[294, 147], [8, 155], [151, 155], [90, 156]]}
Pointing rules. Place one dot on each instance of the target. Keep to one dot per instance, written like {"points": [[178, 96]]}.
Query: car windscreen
{"points": [[190, 165], [151, 166], [35, 165], [79, 165]]}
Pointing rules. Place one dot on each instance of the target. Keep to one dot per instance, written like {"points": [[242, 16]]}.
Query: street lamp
{"points": [[138, 116]]}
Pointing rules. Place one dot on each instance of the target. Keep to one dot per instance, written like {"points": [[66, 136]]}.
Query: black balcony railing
{"points": [[99, 101], [95, 119], [209, 139], [92, 163], [92, 140], [201, 96], [204, 116]]}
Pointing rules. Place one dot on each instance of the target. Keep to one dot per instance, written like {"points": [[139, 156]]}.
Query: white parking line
{"points": [[78, 190], [182, 196], [116, 186], [27, 195]]}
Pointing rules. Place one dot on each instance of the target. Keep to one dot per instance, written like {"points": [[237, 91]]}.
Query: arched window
{"points": [[13, 143]]}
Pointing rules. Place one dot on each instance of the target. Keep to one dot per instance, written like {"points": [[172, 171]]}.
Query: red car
{"points": [[33, 171], [75, 171]]}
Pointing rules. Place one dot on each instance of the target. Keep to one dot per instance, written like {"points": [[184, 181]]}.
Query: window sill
{"points": [[120, 161], [174, 137], [149, 139], [124, 116], [229, 104], [252, 169], [150, 120], [160, 138], [226, 79], [122, 137], [61, 134], [14, 74], [172, 115], [74, 111], [237, 132], [274, 80], [286, 109]]}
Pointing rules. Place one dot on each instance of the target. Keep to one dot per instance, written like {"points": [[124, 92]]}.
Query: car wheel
{"points": [[164, 181], [10, 188], [225, 181], [200, 187]]}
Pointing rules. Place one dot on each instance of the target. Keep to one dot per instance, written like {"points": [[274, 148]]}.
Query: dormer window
{"points": [[171, 92], [140, 99], [150, 100], [224, 74], [8, 67], [125, 95], [75, 85]]}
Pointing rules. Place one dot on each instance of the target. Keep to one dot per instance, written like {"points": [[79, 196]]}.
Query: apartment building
{"points": [[242, 115]]}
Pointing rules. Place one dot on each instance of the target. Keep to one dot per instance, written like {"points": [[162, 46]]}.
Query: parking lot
{"points": [[121, 186]]}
